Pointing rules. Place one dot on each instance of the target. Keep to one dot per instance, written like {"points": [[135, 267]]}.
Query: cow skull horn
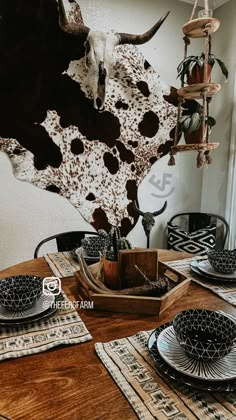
{"points": [[161, 210], [138, 209], [70, 28], [141, 39]]}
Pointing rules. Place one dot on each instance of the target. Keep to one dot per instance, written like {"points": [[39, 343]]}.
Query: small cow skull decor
{"points": [[100, 48], [148, 220]]}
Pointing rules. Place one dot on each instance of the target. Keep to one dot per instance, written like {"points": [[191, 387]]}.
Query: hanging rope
{"points": [[194, 9], [206, 60], [204, 157], [187, 42], [180, 102], [201, 159], [206, 7], [172, 153]]}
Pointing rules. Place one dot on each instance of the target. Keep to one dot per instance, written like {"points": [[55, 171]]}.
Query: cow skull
{"points": [[99, 50], [148, 220]]}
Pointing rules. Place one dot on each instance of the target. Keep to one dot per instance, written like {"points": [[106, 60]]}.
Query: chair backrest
{"points": [[65, 241], [193, 221]]}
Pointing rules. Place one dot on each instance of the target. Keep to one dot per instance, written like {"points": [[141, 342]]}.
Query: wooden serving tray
{"points": [[179, 284]]}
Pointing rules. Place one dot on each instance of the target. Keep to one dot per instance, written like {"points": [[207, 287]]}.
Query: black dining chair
{"points": [[194, 221], [66, 241]]}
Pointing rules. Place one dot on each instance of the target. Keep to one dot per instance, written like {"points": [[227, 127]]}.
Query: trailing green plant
{"points": [[116, 243], [192, 63]]}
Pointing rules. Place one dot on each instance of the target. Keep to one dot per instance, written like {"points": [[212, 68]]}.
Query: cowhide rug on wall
{"points": [[49, 128]]}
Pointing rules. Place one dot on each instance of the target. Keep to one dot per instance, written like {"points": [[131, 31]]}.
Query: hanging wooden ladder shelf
{"points": [[201, 27]]}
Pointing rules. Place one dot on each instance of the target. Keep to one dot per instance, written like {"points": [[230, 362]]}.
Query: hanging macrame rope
{"points": [[180, 102], [202, 157], [207, 153], [206, 7], [204, 92], [194, 9]]}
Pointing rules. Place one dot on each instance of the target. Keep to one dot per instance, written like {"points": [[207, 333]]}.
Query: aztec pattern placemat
{"points": [[153, 397], [62, 264], [63, 327], [225, 291]]}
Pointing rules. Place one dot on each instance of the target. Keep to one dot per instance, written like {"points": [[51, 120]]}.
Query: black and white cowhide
{"points": [[55, 138]]}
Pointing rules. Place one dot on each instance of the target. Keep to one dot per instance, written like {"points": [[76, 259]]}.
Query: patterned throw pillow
{"points": [[198, 242]]}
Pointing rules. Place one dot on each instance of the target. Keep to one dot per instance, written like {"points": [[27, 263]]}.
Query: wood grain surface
{"points": [[70, 382]]}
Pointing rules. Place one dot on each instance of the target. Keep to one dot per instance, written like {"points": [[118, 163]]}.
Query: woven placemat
{"points": [[63, 327], [155, 397], [62, 264], [225, 291]]}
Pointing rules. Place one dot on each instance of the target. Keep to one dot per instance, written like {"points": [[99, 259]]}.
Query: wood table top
{"points": [[70, 382]]}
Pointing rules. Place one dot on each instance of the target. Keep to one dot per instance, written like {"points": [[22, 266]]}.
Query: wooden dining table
{"points": [[70, 382]]}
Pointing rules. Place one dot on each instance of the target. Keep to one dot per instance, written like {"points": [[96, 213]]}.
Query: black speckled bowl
{"points": [[93, 245], [204, 335], [223, 260], [18, 293]]}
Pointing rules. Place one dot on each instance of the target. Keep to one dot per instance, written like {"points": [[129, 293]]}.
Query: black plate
{"points": [[38, 317], [163, 367], [196, 270]]}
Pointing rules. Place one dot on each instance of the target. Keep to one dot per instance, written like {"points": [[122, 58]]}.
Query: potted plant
{"points": [[191, 125], [110, 262], [191, 69]]}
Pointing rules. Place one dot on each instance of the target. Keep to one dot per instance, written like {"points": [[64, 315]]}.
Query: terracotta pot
{"points": [[193, 138], [111, 274], [197, 75]]}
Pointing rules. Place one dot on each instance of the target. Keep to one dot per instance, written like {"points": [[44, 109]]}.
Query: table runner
{"points": [[62, 264], [63, 327], [225, 291], [155, 397]]}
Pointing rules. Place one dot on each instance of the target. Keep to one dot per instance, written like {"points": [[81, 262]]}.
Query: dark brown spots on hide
{"points": [[172, 133], [133, 143], [111, 163], [34, 53], [45, 151], [114, 151], [126, 226], [144, 89], [77, 147], [190, 105], [121, 105], [132, 189], [149, 126], [90, 197], [146, 65], [53, 188], [131, 210], [17, 151], [75, 109], [132, 168], [153, 159], [165, 147], [100, 220], [172, 98], [126, 155]]}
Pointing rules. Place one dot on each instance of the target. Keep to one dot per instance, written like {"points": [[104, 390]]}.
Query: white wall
{"points": [[224, 47], [28, 214]]}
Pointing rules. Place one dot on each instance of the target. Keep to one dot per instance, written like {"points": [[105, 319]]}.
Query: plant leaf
{"points": [[223, 68], [210, 121]]}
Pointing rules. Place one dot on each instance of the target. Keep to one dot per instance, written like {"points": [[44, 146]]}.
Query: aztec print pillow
{"points": [[198, 242]]}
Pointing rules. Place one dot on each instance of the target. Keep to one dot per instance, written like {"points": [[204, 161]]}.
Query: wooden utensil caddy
{"points": [[178, 286]]}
